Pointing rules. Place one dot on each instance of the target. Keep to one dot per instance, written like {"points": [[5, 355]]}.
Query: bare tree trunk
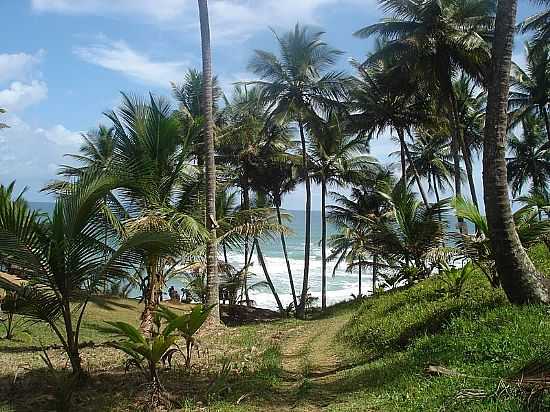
{"points": [[518, 276], [285, 252], [268, 278], [300, 310], [323, 245], [212, 252]]}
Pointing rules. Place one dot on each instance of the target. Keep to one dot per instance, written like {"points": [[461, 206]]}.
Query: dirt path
{"points": [[308, 352]]}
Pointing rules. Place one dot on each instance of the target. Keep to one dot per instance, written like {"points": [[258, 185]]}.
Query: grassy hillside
{"points": [[362, 356]]}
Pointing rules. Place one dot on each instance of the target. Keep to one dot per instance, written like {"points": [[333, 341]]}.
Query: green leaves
{"points": [[187, 324]]}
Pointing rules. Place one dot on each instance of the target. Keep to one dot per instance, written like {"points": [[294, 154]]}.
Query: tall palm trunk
{"points": [[546, 118], [323, 244], [403, 157], [267, 277], [518, 276], [374, 272], [211, 252], [246, 206], [360, 276], [415, 171], [285, 252], [300, 311]]}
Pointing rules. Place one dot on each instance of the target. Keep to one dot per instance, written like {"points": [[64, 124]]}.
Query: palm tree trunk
{"points": [[212, 252], [323, 244], [300, 311], [403, 157], [546, 118], [518, 276], [225, 253], [415, 171], [246, 206], [374, 272], [151, 297], [72, 341], [267, 277], [360, 279], [285, 252]]}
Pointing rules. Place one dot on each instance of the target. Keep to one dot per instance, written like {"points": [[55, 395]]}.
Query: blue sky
{"points": [[64, 62]]}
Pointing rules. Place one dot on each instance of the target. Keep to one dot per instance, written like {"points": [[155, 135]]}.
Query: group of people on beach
{"points": [[174, 295]]}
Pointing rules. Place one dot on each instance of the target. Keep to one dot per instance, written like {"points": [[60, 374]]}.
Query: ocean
{"points": [[340, 287]]}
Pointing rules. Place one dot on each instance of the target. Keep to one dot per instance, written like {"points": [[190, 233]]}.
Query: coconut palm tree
{"points": [[411, 232], [64, 258], [470, 113], [151, 158], [518, 276], [276, 176], [335, 160], [529, 159], [530, 93], [432, 158], [384, 99], [435, 39], [249, 136], [355, 216], [207, 102], [540, 24], [189, 94], [297, 82]]}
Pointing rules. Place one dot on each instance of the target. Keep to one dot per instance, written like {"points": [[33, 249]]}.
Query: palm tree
{"points": [[411, 232], [335, 160], [540, 24], [432, 158], [470, 113], [477, 247], [151, 159], [531, 87], [64, 258], [520, 279], [249, 136], [384, 99], [297, 83], [277, 176], [434, 39], [355, 216], [207, 102], [529, 160], [3, 125], [189, 95]]}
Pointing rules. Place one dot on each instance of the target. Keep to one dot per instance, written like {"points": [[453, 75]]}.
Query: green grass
{"points": [[383, 350], [479, 335]]}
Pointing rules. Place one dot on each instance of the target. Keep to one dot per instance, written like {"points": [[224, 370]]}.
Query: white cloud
{"points": [[18, 66], [230, 19], [60, 135], [119, 57], [160, 10], [21, 95], [27, 154]]}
